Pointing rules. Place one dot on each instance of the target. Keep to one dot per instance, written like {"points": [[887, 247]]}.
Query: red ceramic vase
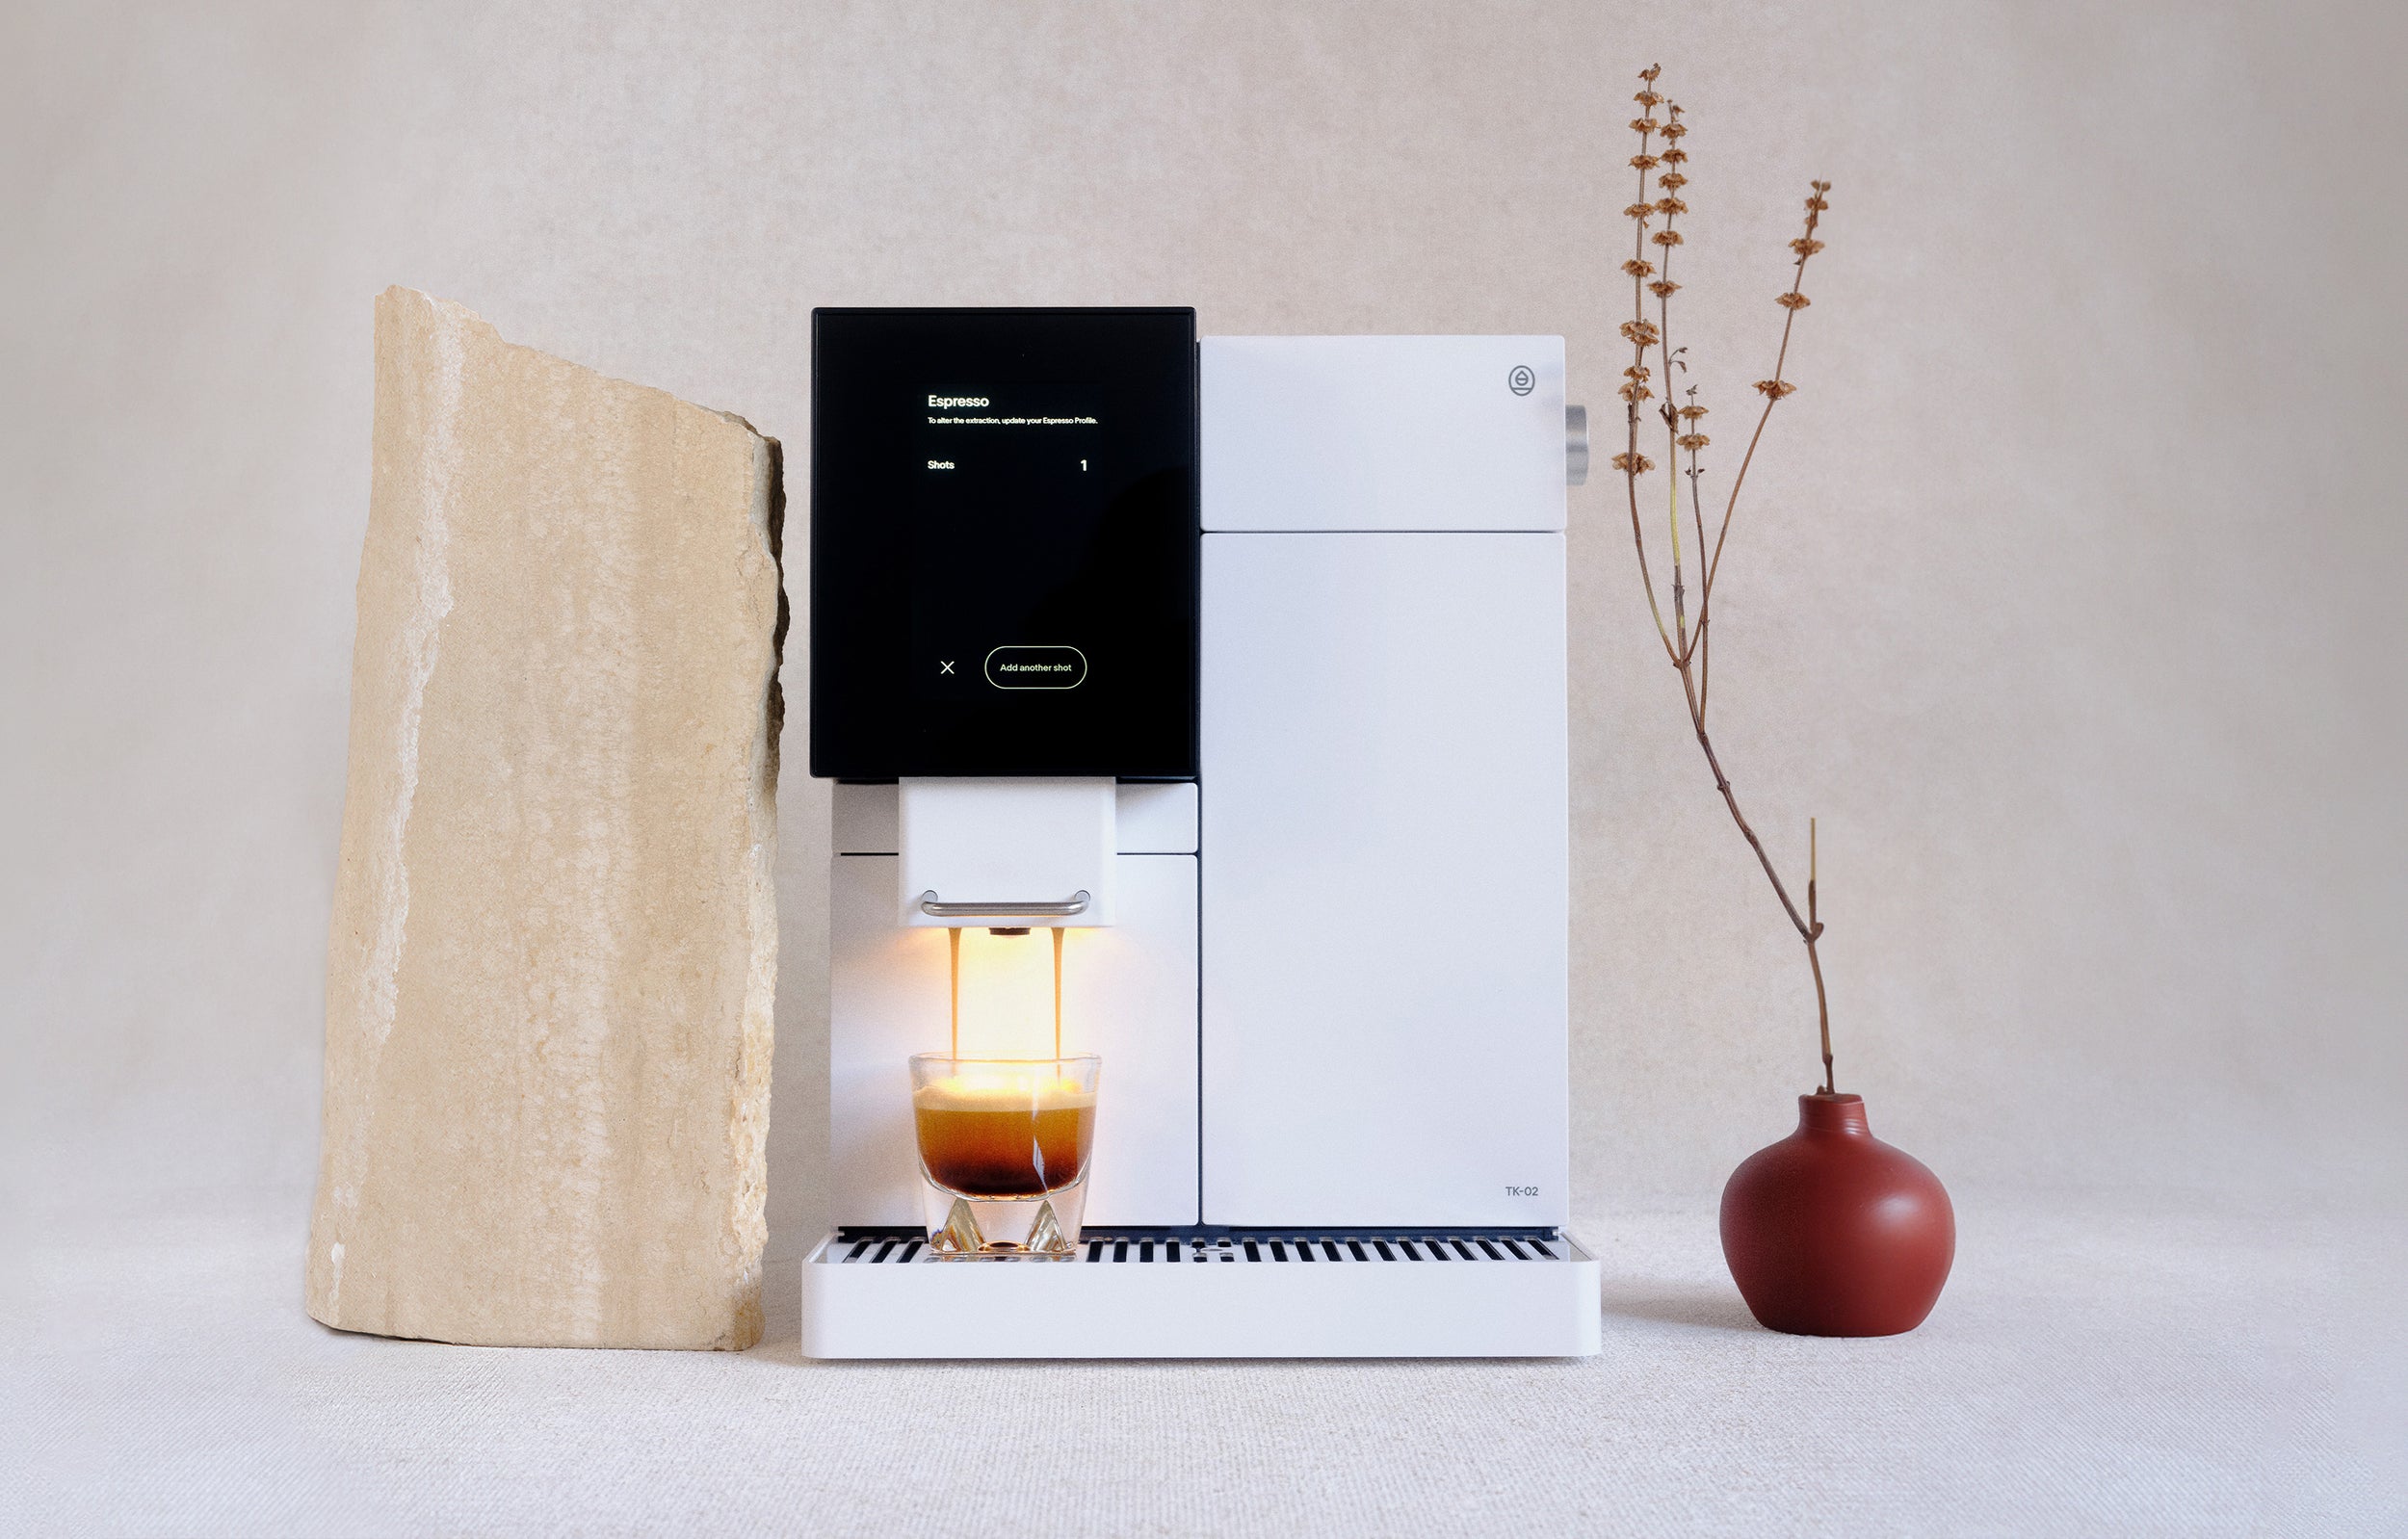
{"points": [[1832, 1232]]}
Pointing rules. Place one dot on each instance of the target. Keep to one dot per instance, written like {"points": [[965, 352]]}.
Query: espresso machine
{"points": [[1219, 683]]}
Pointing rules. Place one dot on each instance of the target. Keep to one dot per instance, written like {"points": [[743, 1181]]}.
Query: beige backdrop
{"points": [[2067, 597]]}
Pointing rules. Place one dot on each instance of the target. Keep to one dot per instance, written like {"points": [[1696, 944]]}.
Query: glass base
{"points": [[964, 1228]]}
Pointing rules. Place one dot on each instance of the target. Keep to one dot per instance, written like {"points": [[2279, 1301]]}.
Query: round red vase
{"points": [[1832, 1232]]}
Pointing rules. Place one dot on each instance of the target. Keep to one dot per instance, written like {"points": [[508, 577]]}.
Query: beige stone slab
{"points": [[554, 943]]}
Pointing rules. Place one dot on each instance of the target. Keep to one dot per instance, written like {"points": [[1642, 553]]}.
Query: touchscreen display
{"points": [[1004, 542]]}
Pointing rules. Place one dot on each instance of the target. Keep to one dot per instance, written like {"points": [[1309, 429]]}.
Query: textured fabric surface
{"points": [[2090, 1369]]}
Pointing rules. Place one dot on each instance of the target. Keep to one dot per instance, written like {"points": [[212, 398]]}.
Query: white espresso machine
{"points": [[1210, 695]]}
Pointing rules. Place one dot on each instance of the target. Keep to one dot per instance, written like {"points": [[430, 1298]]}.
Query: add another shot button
{"points": [[1037, 667]]}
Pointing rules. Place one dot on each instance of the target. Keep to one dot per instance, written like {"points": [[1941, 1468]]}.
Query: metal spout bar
{"points": [[1075, 903]]}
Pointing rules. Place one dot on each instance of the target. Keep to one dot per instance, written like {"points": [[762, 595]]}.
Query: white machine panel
{"points": [[1382, 433], [1015, 841], [1385, 905], [1155, 817], [865, 819], [1129, 995]]}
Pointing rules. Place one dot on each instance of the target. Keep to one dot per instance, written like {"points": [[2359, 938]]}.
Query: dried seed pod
{"points": [[1775, 389], [1792, 301]]}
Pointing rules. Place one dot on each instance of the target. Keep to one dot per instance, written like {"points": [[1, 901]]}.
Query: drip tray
{"points": [[1176, 1292]]}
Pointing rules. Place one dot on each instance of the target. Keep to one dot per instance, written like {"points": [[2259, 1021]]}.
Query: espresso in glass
{"points": [[1004, 1147]]}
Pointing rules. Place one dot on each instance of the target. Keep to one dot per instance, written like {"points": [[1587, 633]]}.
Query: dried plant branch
{"points": [[1813, 924], [1689, 648], [1666, 240], [1775, 388], [1630, 462], [1690, 442]]}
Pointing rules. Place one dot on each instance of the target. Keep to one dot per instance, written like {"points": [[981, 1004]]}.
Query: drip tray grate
{"points": [[1273, 1247]]}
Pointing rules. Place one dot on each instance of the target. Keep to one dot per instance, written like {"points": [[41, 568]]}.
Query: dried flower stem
{"points": [[1668, 240], [1822, 1008], [1689, 648], [1635, 387], [1697, 512], [1773, 389]]}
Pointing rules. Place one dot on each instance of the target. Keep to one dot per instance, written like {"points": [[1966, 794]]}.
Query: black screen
{"points": [[1004, 543]]}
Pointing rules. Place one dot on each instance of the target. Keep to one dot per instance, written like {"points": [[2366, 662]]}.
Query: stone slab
{"points": [[554, 942]]}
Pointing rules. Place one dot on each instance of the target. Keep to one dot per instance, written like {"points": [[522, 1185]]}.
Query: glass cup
{"points": [[1003, 1146]]}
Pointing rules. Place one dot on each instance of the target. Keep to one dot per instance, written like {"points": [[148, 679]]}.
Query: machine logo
{"points": [[1522, 380]]}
